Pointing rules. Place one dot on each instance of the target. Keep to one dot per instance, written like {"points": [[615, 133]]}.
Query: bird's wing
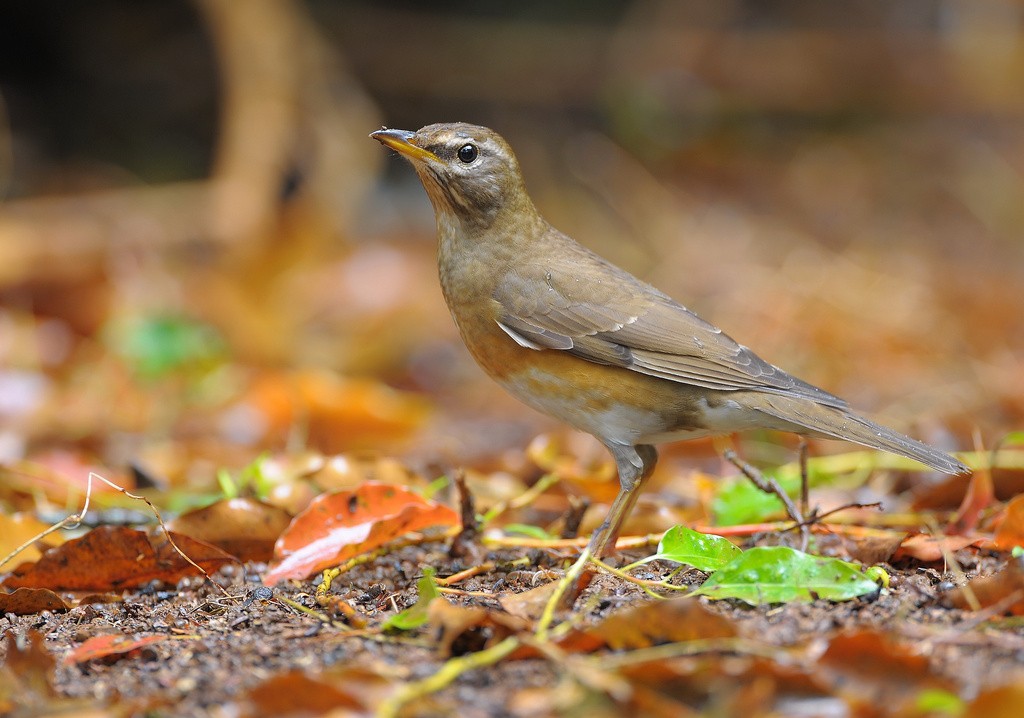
{"points": [[588, 307]]}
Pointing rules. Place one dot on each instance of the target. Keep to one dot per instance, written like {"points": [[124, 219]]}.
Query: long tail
{"points": [[845, 425]]}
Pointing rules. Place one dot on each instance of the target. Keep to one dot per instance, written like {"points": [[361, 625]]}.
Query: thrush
{"points": [[576, 337]]}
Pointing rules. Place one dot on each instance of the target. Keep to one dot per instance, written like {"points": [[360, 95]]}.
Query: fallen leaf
{"points": [[1002, 702], [26, 674], [26, 601], [931, 548], [705, 552], [979, 496], [337, 413], [670, 621], [113, 644], [245, 528], [115, 557], [1011, 529], [295, 693], [467, 629], [528, 605], [62, 476], [338, 691], [16, 529], [1005, 587], [335, 527], [778, 574], [872, 669]]}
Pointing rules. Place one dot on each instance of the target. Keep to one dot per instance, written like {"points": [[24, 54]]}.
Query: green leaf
{"points": [[740, 502], [706, 552], [527, 530], [416, 615], [157, 345], [778, 574], [1014, 438], [935, 700]]}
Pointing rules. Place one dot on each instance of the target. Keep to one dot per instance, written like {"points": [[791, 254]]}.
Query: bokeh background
{"points": [[203, 256]]}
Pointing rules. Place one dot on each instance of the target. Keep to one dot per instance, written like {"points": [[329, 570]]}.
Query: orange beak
{"points": [[401, 142]]}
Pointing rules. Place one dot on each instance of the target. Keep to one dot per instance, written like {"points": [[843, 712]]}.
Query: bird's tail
{"points": [[843, 424]]}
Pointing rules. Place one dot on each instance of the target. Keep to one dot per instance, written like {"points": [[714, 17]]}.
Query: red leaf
{"points": [[109, 645], [336, 527]]}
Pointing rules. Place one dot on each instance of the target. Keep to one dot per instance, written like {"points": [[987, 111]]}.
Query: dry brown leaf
{"points": [[869, 667], [979, 496], [245, 528], [467, 629], [673, 620], [934, 548], [337, 413], [18, 528], [1011, 528], [528, 605], [1003, 702], [26, 601], [1004, 588], [26, 675], [114, 558]]}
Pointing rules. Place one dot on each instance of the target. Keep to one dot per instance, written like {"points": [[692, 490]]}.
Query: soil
{"points": [[228, 647]]}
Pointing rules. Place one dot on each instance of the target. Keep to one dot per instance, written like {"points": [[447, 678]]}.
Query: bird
{"points": [[578, 338]]}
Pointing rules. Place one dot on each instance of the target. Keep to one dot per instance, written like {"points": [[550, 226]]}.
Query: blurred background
{"points": [[203, 255]]}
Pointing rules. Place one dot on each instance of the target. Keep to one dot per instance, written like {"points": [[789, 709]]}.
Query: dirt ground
{"points": [[227, 648]]}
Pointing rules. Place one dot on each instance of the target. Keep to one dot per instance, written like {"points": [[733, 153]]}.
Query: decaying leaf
{"points": [[109, 558]]}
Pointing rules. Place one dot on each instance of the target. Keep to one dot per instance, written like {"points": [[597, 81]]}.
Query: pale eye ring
{"points": [[467, 153]]}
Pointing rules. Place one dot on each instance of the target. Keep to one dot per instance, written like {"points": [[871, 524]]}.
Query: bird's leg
{"points": [[635, 465], [770, 486]]}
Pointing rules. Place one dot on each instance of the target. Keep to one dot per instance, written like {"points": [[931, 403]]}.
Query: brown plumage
{"points": [[578, 338]]}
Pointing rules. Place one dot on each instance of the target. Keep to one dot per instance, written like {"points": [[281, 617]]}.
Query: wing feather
{"points": [[622, 321]]}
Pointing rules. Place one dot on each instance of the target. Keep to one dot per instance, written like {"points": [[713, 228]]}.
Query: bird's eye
{"points": [[467, 153]]}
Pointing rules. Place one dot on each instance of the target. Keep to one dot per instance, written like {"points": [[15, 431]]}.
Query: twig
{"points": [[770, 486], [467, 511]]}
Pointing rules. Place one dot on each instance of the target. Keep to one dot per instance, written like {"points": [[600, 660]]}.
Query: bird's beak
{"points": [[401, 142]]}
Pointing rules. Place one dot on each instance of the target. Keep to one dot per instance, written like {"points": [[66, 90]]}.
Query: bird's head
{"points": [[470, 173]]}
